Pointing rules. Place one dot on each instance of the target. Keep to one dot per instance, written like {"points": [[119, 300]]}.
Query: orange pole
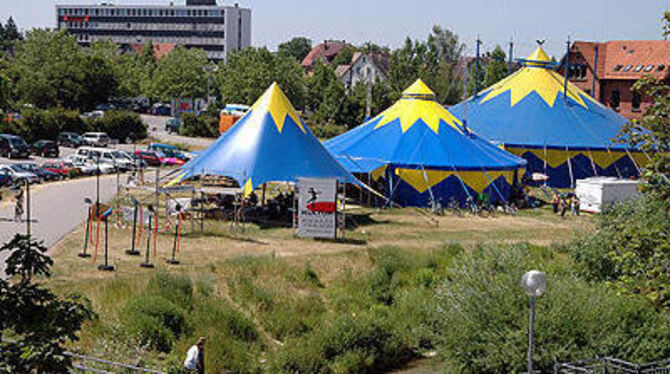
{"points": [[90, 226], [139, 232]]}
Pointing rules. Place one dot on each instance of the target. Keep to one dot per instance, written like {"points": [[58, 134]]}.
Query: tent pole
{"points": [[593, 163], [639, 171], [545, 165], [567, 68], [572, 177], [618, 173]]}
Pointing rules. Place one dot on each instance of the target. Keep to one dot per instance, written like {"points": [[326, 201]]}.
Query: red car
{"points": [[156, 158], [62, 168]]}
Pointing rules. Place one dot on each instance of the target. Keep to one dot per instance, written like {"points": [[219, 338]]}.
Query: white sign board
{"points": [[317, 208]]}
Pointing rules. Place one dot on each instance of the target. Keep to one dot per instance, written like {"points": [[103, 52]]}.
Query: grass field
{"points": [[280, 287]]}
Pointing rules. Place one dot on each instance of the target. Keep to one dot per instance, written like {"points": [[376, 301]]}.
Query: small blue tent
{"points": [[425, 155], [269, 144], [566, 135]]}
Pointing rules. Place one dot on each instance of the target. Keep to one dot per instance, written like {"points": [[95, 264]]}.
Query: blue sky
{"points": [[389, 22]]}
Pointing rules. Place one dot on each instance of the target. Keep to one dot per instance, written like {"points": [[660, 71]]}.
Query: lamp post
{"points": [[534, 284], [209, 69]]}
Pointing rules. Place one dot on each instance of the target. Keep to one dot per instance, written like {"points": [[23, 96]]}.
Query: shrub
{"points": [[204, 125], [482, 325], [631, 249], [155, 321], [175, 288], [120, 125], [47, 124]]}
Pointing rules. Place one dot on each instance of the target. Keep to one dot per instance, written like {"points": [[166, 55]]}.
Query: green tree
{"points": [[12, 33], [497, 68], [39, 322], [180, 74], [297, 47], [345, 56], [249, 72], [50, 69]]}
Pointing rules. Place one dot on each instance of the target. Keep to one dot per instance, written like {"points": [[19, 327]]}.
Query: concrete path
{"points": [[57, 209]]}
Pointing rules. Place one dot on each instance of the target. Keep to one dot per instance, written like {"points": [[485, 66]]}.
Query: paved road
{"points": [[57, 209], [156, 128]]}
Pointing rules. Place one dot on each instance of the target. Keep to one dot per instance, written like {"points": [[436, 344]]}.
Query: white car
{"points": [[90, 167], [19, 175], [118, 159], [97, 139]]}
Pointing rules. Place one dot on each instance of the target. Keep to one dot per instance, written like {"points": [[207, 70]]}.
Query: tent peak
{"points": [[418, 89], [538, 58], [278, 105]]}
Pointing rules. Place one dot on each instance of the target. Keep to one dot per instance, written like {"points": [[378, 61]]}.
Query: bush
{"points": [[482, 325], [205, 125], [120, 125], [155, 321], [631, 250], [44, 124], [175, 288]]}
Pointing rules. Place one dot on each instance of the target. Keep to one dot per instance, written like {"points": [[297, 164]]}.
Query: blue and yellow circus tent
{"points": [[564, 134], [425, 155], [269, 144]]}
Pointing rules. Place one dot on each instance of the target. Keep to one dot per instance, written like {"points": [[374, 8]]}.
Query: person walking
{"points": [[195, 358], [555, 200], [575, 205], [565, 205], [18, 207]]}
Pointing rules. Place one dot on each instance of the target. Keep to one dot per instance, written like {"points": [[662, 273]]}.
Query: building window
{"points": [[636, 101], [615, 99]]}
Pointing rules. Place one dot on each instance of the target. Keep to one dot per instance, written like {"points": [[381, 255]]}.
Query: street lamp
{"points": [[534, 284], [209, 69]]}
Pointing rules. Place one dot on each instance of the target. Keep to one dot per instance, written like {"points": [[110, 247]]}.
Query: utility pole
{"points": [[511, 56], [479, 42], [567, 68], [595, 74], [28, 208]]}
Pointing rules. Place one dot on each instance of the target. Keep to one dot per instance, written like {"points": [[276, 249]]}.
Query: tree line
{"points": [[49, 69]]}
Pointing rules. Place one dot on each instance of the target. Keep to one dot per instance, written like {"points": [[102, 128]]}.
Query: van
{"points": [[12, 146], [97, 139], [110, 156]]}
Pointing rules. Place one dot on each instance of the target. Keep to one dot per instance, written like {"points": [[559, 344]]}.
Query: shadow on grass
{"points": [[239, 238]]}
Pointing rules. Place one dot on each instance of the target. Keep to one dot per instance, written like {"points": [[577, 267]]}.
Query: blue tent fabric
{"points": [[529, 112], [426, 153], [269, 144]]}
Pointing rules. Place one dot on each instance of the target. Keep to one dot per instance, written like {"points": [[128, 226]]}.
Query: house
{"points": [[608, 71], [324, 52], [364, 68]]}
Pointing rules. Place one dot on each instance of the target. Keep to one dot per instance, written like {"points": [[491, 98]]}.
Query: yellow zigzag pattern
{"points": [[556, 157], [477, 180], [275, 101], [418, 103], [536, 78]]}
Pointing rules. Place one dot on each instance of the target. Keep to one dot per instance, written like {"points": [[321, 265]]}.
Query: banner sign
{"points": [[317, 208]]}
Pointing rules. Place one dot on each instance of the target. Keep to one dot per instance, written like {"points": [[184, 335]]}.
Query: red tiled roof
{"points": [[642, 56], [160, 49], [324, 52]]}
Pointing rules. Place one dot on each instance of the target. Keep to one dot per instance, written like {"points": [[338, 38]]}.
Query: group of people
{"points": [[561, 203]]}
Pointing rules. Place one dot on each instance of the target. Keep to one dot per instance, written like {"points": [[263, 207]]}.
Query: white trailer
{"points": [[595, 194]]}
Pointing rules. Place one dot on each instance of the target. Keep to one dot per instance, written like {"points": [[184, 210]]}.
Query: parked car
{"points": [[19, 175], [172, 125], [115, 157], [12, 146], [5, 179], [63, 168], [97, 139], [94, 114], [169, 151], [45, 148], [160, 109], [70, 139], [158, 158], [44, 174]]}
